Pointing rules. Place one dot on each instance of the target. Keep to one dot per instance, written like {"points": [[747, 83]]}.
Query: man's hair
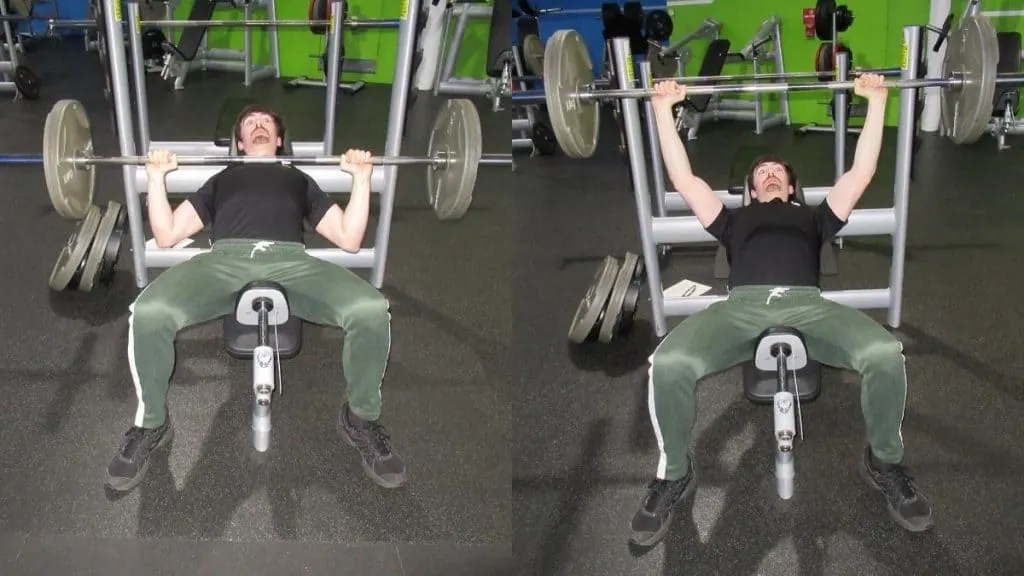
{"points": [[259, 109], [770, 159]]}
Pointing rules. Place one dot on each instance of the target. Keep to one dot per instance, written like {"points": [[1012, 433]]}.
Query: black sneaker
{"points": [[654, 517], [132, 460], [382, 465], [907, 506]]}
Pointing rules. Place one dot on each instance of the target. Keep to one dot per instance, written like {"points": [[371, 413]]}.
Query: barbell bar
{"points": [[954, 82], [528, 96], [454, 153], [967, 84], [440, 160], [353, 23]]}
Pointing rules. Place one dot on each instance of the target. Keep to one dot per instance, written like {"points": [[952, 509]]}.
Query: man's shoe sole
{"points": [[376, 478], [126, 484], [657, 537], [902, 522]]}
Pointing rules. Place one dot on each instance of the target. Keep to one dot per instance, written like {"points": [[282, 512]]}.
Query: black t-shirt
{"points": [[260, 202], [775, 243]]}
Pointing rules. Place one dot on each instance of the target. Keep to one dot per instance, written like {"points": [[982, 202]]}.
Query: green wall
{"points": [[875, 39], [300, 49]]}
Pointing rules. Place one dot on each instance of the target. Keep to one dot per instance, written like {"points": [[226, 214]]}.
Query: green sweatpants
{"points": [[724, 335], [206, 287]]}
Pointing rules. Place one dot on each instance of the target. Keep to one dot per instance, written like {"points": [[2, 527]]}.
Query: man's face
{"points": [[771, 181], [259, 135]]}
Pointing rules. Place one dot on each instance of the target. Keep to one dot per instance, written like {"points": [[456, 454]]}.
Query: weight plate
{"points": [[533, 54], [26, 82], [94, 261], [632, 298], [112, 253], [658, 25], [71, 258], [456, 134], [543, 139], [567, 69], [613, 311], [973, 54], [67, 134], [319, 10], [661, 66], [588, 313], [823, 11]]}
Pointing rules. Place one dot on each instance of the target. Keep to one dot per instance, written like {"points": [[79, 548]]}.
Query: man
{"points": [[773, 246], [255, 213]]}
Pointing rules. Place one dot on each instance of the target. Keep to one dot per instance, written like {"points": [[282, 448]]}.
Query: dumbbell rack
{"points": [[722, 108], [445, 82], [187, 179], [661, 230], [227, 60], [8, 54]]}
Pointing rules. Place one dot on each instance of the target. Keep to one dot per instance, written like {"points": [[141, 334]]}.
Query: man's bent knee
{"points": [[366, 311], [882, 354], [152, 315], [673, 366]]}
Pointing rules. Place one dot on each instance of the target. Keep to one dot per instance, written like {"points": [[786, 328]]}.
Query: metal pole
{"points": [[396, 127], [839, 120], [296, 160], [247, 49], [123, 112], [623, 64], [901, 188], [139, 74], [657, 168], [953, 82], [264, 23], [333, 74]]}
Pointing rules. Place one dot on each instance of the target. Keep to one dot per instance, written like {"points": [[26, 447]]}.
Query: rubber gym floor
{"points": [[209, 505], [582, 444]]}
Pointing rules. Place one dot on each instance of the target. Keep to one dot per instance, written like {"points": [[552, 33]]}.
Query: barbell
{"points": [[968, 84], [454, 153], [53, 23]]}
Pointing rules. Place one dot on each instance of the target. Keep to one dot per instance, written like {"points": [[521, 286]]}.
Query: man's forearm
{"points": [[673, 152], [161, 217], [356, 214], [869, 144]]}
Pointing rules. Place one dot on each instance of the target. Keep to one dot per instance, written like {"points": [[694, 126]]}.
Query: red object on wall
{"points": [[809, 23]]}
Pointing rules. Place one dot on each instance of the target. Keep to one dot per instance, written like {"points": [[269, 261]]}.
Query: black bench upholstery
{"points": [[223, 135], [241, 339], [1009, 63], [712, 65], [499, 43], [760, 383]]}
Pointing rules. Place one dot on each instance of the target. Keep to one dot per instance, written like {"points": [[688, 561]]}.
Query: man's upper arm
{"points": [[721, 226], [202, 202], [318, 203], [829, 224]]}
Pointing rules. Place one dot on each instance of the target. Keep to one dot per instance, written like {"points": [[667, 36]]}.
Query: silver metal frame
{"points": [[656, 231], [385, 177], [445, 82], [726, 108], [206, 147], [224, 59], [8, 56]]}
